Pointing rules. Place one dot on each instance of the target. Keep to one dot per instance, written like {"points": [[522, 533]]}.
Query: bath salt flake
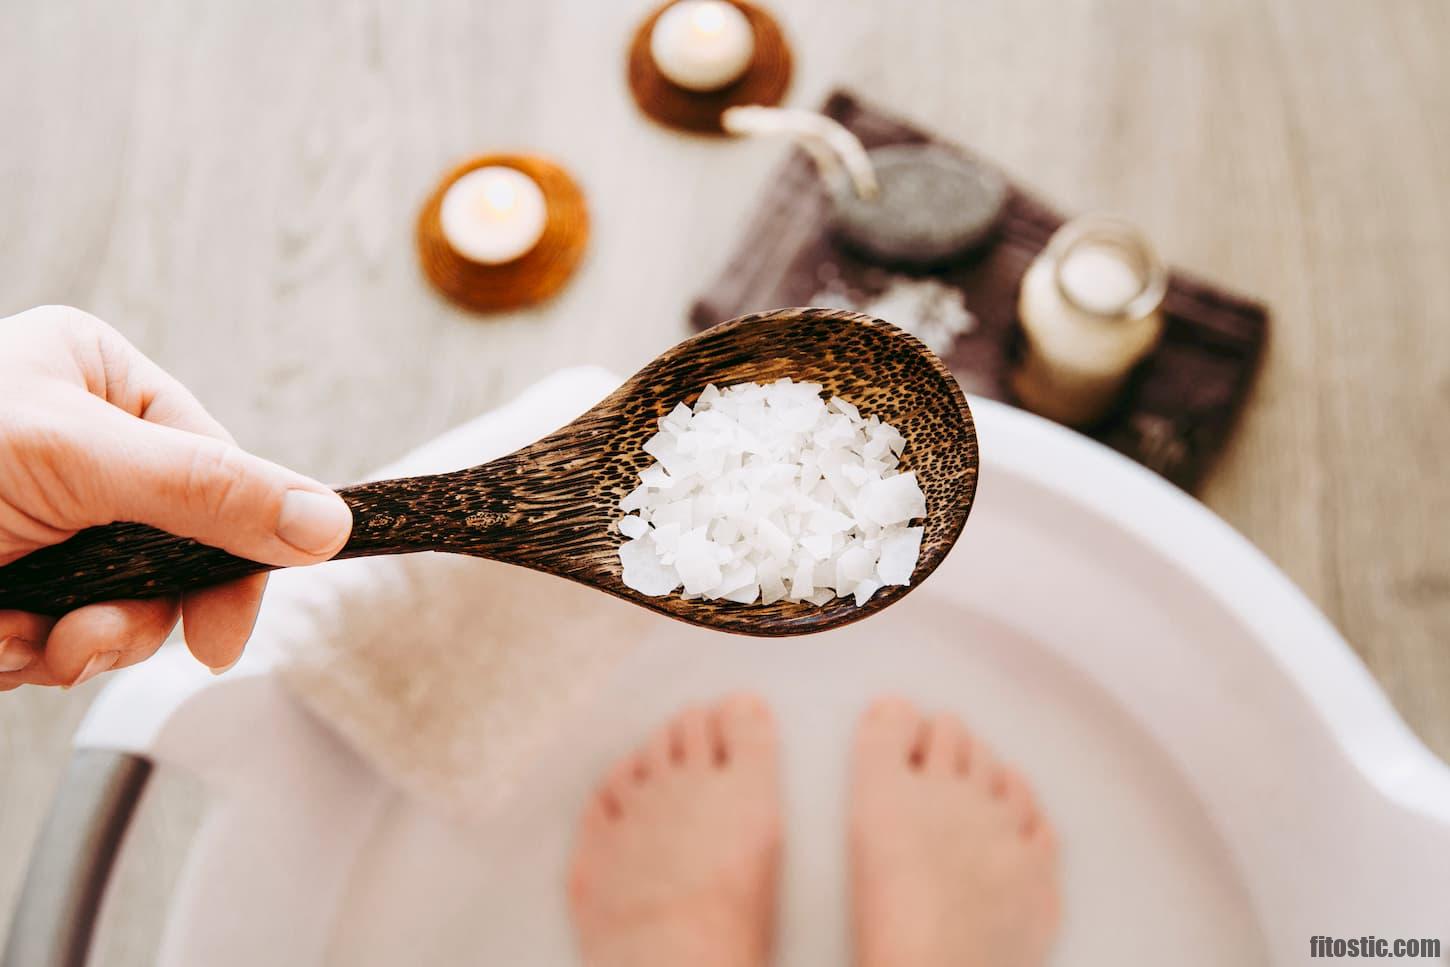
{"points": [[899, 552], [768, 492]]}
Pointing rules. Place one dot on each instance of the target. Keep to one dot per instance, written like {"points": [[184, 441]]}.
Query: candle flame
{"points": [[499, 198], [707, 18]]}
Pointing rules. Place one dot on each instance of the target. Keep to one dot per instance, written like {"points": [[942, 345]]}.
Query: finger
{"points": [[116, 371], [22, 637], [199, 487], [156, 396], [143, 650], [22, 655], [100, 637], [36, 673], [218, 621], [17, 653]]}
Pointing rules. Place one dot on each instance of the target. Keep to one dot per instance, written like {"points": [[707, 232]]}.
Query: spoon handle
{"points": [[448, 512]]}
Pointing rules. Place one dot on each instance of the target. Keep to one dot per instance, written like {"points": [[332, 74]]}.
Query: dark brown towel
{"points": [[1179, 405]]}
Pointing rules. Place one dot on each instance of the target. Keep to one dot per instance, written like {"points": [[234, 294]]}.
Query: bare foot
{"points": [[678, 853], [951, 863]]}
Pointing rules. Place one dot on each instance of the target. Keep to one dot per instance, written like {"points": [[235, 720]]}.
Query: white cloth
{"points": [[452, 674]]}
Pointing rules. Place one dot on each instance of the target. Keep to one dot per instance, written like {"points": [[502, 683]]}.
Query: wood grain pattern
{"points": [[235, 186], [550, 506]]}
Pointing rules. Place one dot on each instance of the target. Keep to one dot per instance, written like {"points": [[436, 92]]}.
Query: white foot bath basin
{"points": [[1226, 779]]}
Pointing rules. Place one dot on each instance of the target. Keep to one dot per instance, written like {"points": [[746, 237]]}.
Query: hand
{"points": [[93, 432]]}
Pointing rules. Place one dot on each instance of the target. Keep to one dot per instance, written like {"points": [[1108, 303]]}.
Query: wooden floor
{"points": [[233, 184]]}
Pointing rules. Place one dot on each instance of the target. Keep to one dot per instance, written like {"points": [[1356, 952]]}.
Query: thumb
{"points": [[207, 489]]}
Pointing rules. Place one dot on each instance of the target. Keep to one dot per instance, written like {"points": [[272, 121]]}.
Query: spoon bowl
{"points": [[550, 506]]}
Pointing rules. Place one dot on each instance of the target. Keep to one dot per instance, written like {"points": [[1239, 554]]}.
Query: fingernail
{"points": [[15, 653], [101, 661], [223, 669], [314, 523]]}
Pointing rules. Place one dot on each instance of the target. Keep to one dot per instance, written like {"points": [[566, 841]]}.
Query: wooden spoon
{"points": [[550, 505]]}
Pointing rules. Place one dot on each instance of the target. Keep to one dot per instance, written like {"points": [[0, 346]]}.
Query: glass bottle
{"points": [[1091, 307]]}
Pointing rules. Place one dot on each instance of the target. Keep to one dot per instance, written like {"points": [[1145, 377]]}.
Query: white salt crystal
{"points": [[643, 570], [724, 530], [696, 563], [736, 577], [768, 492], [680, 512], [823, 574], [772, 591], [636, 499], [744, 595], [802, 582], [853, 566], [678, 418], [772, 539], [666, 538], [864, 590], [893, 500], [633, 526], [818, 544], [899, 552], [655, 476]]}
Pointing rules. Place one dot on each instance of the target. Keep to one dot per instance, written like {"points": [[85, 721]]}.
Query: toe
{"points": [[1042, 834], [983, 767], [580, 885], [639, 768], [657, 752], [744, 730], [962, 759], [997, 781], [889, 732], [1017, 796], [690, 738], [620, 783], [599, 811], [607, 804], [944, 736]]}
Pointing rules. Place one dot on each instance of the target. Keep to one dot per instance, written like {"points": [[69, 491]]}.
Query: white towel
{"points": [[451, 674]]}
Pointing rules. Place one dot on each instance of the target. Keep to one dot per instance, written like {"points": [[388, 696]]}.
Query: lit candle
{"points": [[493, 215], [702, 45]]}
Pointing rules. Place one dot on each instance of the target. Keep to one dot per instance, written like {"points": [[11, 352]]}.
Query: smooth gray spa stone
{"points": [[933, 206]]}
